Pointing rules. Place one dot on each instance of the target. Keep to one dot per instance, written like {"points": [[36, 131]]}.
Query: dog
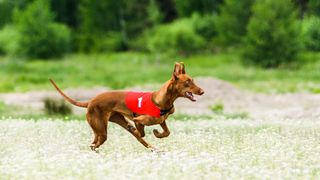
{"points": [[135, 110]]}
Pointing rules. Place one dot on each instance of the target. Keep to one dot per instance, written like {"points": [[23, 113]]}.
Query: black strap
{"points": [[134, 114], [165, 111]]}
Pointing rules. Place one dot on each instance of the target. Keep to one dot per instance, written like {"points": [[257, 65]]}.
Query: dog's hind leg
{"points": [[98, 122], [120, 120], [93, 127]]}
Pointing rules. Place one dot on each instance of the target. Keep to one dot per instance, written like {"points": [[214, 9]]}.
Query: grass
{"points": [[7, 110], [218, 109], [203, 149], [130, 69]]}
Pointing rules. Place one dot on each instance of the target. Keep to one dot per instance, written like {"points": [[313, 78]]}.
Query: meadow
{"points": [[38, 145], [198, 149], [119, 70], [260, 69]]}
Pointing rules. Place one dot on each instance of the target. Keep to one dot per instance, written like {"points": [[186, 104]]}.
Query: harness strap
{"points": [[165, 111], [134, 114]]}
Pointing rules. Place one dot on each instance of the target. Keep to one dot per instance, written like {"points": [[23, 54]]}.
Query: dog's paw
{"points": [[155, 149], [161, 135], [93, 148], [156, 133]]}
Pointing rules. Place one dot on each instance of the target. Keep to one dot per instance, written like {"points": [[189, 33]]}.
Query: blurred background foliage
{"points": [[269, 33]]}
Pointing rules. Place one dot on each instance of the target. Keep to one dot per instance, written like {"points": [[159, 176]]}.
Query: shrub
{"points": [[5, 10], [53, 106], [273, 35], [39, 36], [217, 108], [154, 14], [186, 8], [311, 33], [102, 42], [232, 21], [140, 43], [204, 25], [8, 40], [177, 37], [314, 7], [101, 19]]}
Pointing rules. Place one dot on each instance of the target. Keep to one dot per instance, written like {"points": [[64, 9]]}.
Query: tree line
{"points": [[269, 32]]}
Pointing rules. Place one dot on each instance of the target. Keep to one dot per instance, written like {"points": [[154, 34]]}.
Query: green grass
{"points": [[130, 69], [7, 110], [218, 109]]}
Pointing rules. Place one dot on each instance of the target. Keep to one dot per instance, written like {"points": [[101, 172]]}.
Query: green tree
{"points": [[167, 9], [186, 8], [7, 7], [179, 37], [39, 36], [5, 12], [274, 33], [154, 14], [311, 33], [98, 17], [204, 25], [314, 7], [302, 6], [66, 11], [232, 21]]}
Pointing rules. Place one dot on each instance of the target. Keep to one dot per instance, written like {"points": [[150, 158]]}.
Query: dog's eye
{"points": [[187, 83]]}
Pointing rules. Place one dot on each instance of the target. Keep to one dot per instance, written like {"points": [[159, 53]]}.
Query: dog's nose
{"points": [[201, 92]]}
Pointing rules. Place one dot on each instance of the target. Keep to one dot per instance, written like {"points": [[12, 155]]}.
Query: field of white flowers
{"points": [[199, 149]]}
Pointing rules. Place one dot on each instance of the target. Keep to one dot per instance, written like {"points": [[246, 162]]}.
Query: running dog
{"points": [[134, 110]]}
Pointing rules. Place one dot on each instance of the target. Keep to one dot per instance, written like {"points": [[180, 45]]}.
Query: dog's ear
{"points": [[183, 71], [177, 70]]}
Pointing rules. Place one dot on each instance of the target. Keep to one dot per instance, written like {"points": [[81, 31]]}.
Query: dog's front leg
{"points": [[140, 128], [120, 120], [165, 132]]}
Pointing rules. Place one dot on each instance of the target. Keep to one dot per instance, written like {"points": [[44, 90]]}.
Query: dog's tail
{"points": [[72, 101]]}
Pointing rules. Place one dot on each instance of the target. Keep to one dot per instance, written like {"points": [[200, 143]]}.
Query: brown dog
{"points": [[116, 107]]}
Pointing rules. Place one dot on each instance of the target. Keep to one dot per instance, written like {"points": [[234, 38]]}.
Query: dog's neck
{"points": [[165, 97]]}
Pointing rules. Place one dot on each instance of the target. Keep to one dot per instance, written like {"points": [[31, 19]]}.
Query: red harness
{"points": [[141, 103]]}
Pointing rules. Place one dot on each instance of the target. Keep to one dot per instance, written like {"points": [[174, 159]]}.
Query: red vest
{"points": [[141, 103]]}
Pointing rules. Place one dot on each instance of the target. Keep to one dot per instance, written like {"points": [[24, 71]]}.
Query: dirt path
{"points": [[258, 106]]}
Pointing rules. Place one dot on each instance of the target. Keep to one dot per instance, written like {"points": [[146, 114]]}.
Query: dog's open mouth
{"points": [[190, 96]]}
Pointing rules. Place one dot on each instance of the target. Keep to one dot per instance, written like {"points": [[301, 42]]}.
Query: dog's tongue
{"points": [[190, 96]]}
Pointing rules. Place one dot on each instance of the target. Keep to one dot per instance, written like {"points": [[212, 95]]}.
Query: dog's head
{"points": [[183, 84]]}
